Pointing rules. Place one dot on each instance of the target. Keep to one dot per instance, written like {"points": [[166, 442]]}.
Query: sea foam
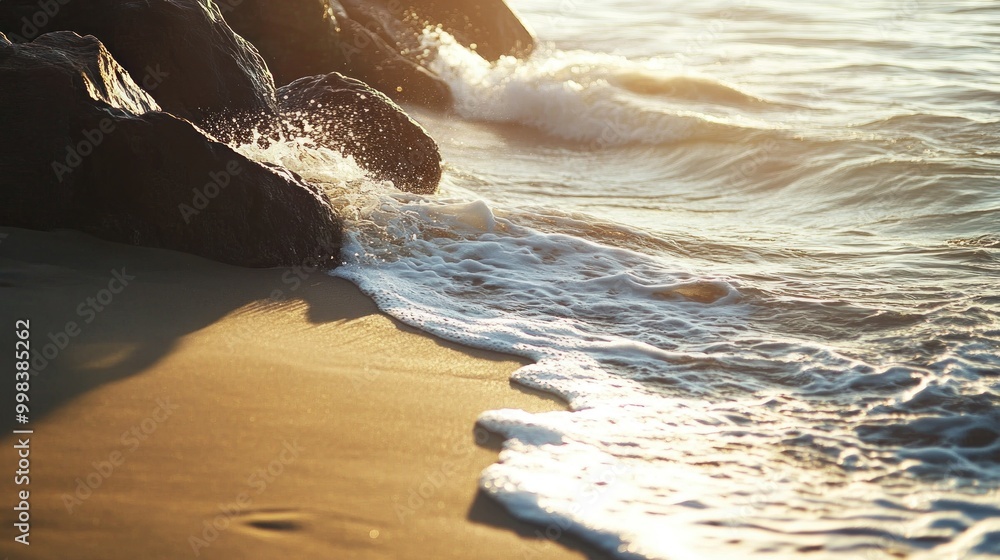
{"points": [[599, 99]]}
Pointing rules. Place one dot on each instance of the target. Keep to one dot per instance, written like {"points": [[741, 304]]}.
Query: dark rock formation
{"points": [[52, 120], [181, 51], [369, 57], [207, 199], [311, 37], [85, 148], [347, 115], [185, 55], [296, 37], [376, 41], [489, 27]]}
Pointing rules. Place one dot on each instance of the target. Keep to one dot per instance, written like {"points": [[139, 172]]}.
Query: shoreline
{"points": [[195, 409]]}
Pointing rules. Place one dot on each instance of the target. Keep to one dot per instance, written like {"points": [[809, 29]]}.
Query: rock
{"points": [[296, 37], [87, 149], [376, 41], [347, 115], [489, 27], [310, 37], [186, 56], [56, 93], [180, 51], [204, 198], [367, 56]]}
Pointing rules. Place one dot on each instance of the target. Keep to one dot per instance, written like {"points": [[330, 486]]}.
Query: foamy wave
{"points": [[346, 184], [600, 99], [314, 163], [681, 437]]}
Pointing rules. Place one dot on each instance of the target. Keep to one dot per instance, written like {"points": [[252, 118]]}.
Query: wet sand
{"points": [[185, 408]]}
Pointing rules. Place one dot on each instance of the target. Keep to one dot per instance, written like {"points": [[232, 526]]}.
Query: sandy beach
{"points": [[184, 408]]}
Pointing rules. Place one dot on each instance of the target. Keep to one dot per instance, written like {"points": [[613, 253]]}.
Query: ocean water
{"points": [[755, 245]]}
